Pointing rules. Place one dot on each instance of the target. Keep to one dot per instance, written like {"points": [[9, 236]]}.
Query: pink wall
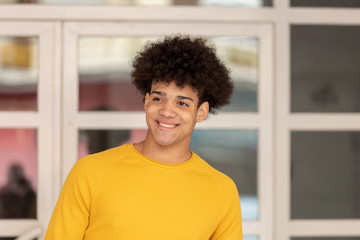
{"points": [[18, 146], [119, 95]]}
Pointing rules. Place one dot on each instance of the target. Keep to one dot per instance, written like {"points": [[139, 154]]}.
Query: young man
{"points": [[157, 189]]}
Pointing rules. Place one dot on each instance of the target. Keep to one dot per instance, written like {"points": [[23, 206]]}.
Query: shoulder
{"points": [[93, 166], [223, 182], [103, 159]]}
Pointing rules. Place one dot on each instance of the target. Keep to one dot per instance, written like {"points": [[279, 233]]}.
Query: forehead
{"points": [[173, 89]]}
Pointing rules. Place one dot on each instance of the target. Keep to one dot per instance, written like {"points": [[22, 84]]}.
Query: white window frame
{"points": [[45, 120]]}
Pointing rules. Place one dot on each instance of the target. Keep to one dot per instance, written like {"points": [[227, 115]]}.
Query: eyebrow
{"points": [[178, 97]]}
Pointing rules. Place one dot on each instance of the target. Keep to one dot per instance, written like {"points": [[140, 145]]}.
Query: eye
{"points": [[156, 99], [183, 104]]}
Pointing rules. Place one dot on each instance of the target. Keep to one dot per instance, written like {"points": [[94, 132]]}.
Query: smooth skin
{"points": [[171, 115]]}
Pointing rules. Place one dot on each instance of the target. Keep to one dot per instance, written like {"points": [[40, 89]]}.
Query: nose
{"points": [[167, 110]]}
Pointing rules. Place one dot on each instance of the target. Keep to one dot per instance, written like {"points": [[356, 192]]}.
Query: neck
{"points": [[165, 154]]}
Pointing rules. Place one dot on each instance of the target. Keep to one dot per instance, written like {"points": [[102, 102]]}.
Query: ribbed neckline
{"points": [[162, 164]]}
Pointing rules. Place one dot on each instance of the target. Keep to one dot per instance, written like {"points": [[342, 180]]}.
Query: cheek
{"points": [[149, 109], [191, 117]]}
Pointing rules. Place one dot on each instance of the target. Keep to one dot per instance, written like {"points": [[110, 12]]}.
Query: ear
{"points": [[146, 101], [203, 112]]}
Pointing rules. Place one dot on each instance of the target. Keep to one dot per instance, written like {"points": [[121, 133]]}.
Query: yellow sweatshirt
{"points": [[122, 194]]}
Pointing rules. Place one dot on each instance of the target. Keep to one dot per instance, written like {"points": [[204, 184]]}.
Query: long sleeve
{"points": [[71, 214], [230, 227]]}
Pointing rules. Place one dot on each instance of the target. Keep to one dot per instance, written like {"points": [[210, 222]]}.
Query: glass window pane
{"points": [[233, 152], [326, 3], [92, 141], [104, 74], [18, 173], [105, 65], [250, 238], [232, 3], [240, 54], [325, 175], [325, 74], [325, 238], [18, 73]]}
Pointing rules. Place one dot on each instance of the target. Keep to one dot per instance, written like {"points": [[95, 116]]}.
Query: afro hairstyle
{"points": [[184, 60]]}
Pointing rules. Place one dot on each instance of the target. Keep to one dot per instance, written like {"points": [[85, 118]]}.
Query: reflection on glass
{"points": [[92, 141], [18, 73], [326, 3], [325, 175], [233, 152], [240, 54], [233, 3], [325, 238], [18, 173], [104, 68], [325, 74]]}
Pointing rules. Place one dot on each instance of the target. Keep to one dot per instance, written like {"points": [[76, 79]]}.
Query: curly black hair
{"points": [[184, 60]]}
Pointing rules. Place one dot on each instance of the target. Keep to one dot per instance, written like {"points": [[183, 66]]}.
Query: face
{"points": [[172, 113]]}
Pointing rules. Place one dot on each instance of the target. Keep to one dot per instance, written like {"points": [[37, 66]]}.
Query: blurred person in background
{"points": [[17, 198]]}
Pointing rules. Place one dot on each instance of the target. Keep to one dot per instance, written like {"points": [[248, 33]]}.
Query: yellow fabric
{"points": [[122, 194]]}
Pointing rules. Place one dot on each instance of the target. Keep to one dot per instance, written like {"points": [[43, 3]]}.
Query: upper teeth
{"points": [[166, 125]]}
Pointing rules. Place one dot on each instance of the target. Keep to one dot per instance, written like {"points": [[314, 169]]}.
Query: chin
{"points": [[164, 143]]}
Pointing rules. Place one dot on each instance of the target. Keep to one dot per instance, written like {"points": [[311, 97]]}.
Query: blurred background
{"points": [[290, 139]]}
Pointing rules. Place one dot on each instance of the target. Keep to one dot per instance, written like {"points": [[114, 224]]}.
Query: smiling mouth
{"points": [[167, 125]]}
